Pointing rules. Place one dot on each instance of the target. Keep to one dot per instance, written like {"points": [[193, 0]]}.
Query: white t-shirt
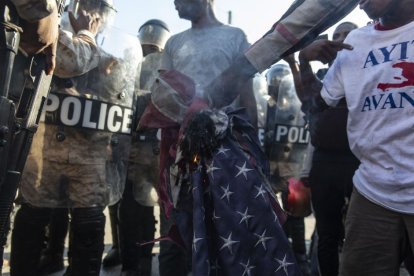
{"points": [[203, 54], [377, 79]]}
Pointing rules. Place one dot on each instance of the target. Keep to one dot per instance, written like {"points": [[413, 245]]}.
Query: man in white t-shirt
{"points": [[376, 78], [201, 52]]}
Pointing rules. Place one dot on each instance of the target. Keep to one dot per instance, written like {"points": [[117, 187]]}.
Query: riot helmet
{"points": [[262, 97], [274, 78], [154, 32]]}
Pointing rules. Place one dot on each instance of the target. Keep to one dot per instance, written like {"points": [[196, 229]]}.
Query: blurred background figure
{"points": [[286, 141], [333, 164], [136, 211]]}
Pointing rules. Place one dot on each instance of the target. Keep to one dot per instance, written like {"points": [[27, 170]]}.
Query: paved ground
{"points": [[116, 271]]}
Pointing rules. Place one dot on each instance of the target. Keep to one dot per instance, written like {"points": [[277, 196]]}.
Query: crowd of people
{"points": [[172, 120]]}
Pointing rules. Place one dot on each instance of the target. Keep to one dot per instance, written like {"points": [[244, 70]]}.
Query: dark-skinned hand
{"points": [[323, 50]]}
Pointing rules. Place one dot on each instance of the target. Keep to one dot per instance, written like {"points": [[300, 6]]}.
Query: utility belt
{"points": [[147, 136]]}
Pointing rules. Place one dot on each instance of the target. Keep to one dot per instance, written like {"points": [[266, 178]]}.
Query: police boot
{"points": [[52, 258], [148, 234], [50, 263], [136, 226], [27, 239], [113, 257], [87, 241], [145, 266]]}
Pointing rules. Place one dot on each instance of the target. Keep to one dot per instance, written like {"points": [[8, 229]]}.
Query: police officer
{"points": [[78, 158], [286, 141], [137, 222], [76, 35], [36, 24]]}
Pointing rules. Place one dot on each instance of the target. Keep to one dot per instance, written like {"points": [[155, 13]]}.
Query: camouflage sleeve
{"points": [[76, 54], [33, 10], [303, 22]]}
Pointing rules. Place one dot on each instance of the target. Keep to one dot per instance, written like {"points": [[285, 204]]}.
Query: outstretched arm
{"points": [[294, 68], [300, 25], [228, 85], [324, 51]]}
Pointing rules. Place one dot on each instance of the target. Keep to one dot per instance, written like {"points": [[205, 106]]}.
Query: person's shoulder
{"points": [[233, 33], [175, 40], [359, 35], [179, 36], [232, 29]]}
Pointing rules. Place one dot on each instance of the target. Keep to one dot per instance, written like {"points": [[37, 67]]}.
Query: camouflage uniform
{"points": [[136, 210], [143, 162], [83, 169], [79, 171]]}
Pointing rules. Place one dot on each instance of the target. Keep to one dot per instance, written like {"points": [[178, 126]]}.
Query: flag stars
{"points": [[227, 193], [247, 268], [228, 243], [215, 217], [222, 150], [262, 239], [195, 240], [211, 169], [260, 191], [245, 217], [283, 264], [275, 216], [243, 170]]}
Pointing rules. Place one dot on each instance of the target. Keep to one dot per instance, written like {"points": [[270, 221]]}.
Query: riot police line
{"points": [[111, 93]]}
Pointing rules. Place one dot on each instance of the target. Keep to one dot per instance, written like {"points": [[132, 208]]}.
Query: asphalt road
{"points": [[116, 271]]}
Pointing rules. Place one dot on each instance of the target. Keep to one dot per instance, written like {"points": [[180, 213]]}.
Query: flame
{"points": [[196, 158]]}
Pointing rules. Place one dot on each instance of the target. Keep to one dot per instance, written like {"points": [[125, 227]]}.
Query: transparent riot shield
{"points": [[80, 157], [286, 135], [143, 169], [262, 97]]}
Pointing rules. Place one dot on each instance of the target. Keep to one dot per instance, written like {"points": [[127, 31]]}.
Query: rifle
{"points": [[24, 87]]}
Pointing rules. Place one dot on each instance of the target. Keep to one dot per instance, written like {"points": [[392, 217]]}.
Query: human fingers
{"points": [[73, 21], [340, 45], [50, 53]]}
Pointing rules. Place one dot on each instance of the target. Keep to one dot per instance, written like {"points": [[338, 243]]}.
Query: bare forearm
{"points": [[309, 80], [297, 79], [313, 85]]}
